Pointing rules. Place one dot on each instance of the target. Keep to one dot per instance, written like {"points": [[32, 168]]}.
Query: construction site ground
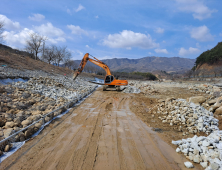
{"points": [[109, 130]]}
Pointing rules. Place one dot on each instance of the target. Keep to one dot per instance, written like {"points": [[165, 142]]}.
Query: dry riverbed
{"points": [[132, 129]]}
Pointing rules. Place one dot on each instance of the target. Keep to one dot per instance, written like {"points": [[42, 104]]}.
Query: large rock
{"points": [[2, 122], [8, 132], [188, 164], [17, 120], [38, 125], [218, 111], [22, 137], [1, 133], [7, 147], [211, 102], [215, 106], [26, 95], [9, 124], [29, 133], [26, 122], [197, 99], [36, 112]]}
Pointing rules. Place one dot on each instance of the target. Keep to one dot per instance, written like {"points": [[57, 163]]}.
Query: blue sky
{"points": [[116, 29]]}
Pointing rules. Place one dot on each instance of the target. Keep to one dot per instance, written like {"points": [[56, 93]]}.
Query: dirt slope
{"points": [[101, 133]]}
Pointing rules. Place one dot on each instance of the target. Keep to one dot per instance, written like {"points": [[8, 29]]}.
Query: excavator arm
{"points": [[94, 61]]}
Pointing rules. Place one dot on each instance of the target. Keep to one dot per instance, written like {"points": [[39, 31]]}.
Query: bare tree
{"points": [[196, 73], [189, 73], [49, 54], [1, 31], [216, 70], [62, 54], [34, 44], [71, 64]]}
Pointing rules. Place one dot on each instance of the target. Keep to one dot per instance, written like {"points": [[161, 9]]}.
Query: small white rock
{"points": [[188, 164], [178, 150]]}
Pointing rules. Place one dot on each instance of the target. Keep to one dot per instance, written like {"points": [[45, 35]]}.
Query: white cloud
{"points": [[77, 30], [161, 51], [87, 46], [80, 7], [198, 45], [9, 24], [76, 54], [159, 30], [191, 50], [17, 39], [200, 11], [49, 30], [201, 33], [128, 39], [37, 17], [221, 34], [69, 11], [96, 16], [56, 40]]}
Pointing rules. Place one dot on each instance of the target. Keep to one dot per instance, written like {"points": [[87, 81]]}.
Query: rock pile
{"points": [[131, 89], [145, 87], [203, 150], [188, 117], [23, 103], [57, 88], [205, 88]]}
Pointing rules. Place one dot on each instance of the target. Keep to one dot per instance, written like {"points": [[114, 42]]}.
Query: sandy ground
{"points": [[101, 133]]}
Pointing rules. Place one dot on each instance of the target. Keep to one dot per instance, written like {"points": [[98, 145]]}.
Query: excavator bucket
{"points": [[75, 75]]}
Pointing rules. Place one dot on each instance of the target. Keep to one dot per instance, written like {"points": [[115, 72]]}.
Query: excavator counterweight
{"points": [[109, 81]]}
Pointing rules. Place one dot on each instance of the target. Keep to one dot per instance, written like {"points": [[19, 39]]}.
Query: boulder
{"points": [[197, 99], [28, 133], [20, 113], [2, 122], [215, 106], [26, 122], [214, 166], [36, 112], [22, 137], [9, 124], [203, 164], [17, 120], [38, 125], [1, 133], [219, 100], [7, 148], [188, 164], [211, 102], [8, 132], [26, 95], [218, 111]]}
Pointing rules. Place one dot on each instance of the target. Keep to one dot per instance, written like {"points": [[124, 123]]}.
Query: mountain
{"points": [[148, 64]]}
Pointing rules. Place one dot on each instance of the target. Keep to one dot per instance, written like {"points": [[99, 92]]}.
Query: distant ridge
{"points": [[149, 64]]}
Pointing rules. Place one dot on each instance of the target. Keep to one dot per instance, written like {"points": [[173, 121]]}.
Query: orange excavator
{"points": [[109, 82]]}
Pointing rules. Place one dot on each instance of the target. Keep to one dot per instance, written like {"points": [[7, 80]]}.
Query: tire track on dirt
{"points": [[101, 133]]}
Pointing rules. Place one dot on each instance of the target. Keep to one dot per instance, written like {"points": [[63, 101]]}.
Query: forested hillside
{"points": [[210, 56]]}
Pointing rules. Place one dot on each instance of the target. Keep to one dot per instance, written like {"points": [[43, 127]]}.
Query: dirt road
{"points": [[101, 133]]}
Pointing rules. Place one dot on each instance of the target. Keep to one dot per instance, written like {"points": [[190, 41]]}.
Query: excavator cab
{"points": [[109, 79]]}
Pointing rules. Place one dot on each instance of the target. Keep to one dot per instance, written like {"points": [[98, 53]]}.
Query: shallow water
{"points": [[10, 81]]}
